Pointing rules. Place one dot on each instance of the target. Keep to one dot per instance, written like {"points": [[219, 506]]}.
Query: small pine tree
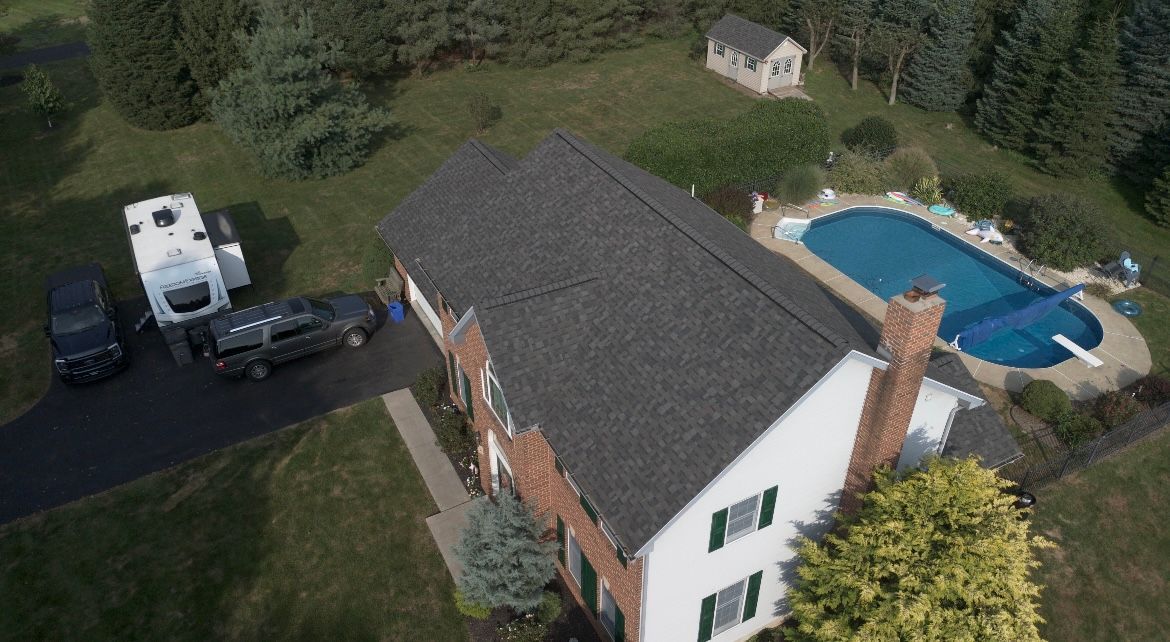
{"points": [[288, 110], [43, 97], [1071, 139], [1158, 199], [1140, 146], [363, 28], [937, 78], [938, 555], [207, 40], [424, 29], [505, 563], [137, 64], [479, 27]]}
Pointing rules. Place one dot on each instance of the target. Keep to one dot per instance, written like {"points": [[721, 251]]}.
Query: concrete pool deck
{"points": [[1124, 352]]}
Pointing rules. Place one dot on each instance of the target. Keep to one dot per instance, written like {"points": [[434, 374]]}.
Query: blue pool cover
{"points": [[883, 249]]}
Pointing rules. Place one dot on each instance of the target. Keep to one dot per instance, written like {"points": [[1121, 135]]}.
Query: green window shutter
{"points": [[452, 372], [619, 625], [561, 540], [753, 596], [707, 618], [589, 584], [467, 396], [768, 507], [560, 465], [589, 510], [718, 530]]}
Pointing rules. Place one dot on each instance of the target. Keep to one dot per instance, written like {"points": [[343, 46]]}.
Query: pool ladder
{"points": [[1030, 269]]}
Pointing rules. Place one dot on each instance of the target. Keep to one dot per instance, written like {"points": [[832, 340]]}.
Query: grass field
{"points": [[1110, 577], [63, 189], [314, 532], [41, 23]]}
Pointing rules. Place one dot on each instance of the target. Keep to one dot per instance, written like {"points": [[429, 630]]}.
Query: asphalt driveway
{"points": [[81, 440]]}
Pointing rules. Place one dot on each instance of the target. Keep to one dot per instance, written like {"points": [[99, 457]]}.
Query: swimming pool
{"points": [[882, 249]]}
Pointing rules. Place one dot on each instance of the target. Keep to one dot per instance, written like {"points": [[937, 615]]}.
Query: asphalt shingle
{"points": [[744, 35]]}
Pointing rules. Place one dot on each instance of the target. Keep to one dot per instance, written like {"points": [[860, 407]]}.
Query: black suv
{"points": [[251, 341], [83, 325]]}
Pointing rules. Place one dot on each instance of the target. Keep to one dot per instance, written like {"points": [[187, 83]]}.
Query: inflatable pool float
{"points": [[903, 198], [941, 210], [1128, 308]]}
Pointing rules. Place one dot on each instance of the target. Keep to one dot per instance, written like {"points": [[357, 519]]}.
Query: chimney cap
{"points": [[926, 285]]}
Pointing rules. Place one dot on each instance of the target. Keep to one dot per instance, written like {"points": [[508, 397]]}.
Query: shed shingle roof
{"points": [[753, 39]]}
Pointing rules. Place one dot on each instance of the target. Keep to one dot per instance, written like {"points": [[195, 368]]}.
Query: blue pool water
{"points": [[883, 249]]}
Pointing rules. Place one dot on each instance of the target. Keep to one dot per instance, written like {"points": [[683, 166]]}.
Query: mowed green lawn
{"points": [[1110, 575], [314, 532], [43, 23], [62, 189]]}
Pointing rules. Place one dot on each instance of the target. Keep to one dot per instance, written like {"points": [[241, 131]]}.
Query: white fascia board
{"points": [[971, 400], [456, 333]]}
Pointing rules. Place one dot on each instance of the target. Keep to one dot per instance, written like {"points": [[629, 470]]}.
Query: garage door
{"points": [[421, 304]]}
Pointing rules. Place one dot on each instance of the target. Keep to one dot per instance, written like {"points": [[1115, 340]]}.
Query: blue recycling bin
{"points": [[397, 312]]}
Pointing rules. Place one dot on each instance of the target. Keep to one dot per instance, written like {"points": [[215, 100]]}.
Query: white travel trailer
{"points": [[187, 261]]}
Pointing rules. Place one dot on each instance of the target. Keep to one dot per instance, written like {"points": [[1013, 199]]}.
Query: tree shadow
{"points": [[823, 521], [267, 244]]}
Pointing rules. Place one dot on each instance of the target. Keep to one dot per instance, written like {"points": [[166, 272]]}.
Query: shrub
{"points": [[756, 146], [730, 202], [1075, 429], [1153, 390], [855, 173], [483, 111], [874, 135], [927, 190], [428, 386], [452, 434], [800, 184], [981, 195], [908, 165], [470, 609], [1063, 231], [1045, 399], [524, 629], [506, 559], [1115, 408], [768, 635], [550, 607]]}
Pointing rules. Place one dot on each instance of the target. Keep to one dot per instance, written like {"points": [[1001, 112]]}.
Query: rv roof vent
{"points": [[164, 218], [199, 236], [134, 229], [174, 252]]}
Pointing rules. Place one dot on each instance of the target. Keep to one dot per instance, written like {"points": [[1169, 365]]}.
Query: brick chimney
{"points": [[912, 320]]}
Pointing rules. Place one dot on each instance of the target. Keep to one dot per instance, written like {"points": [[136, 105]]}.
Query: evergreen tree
{"points": [[937, 78], [852, 32], [286, 108], [939, 555], [137, 64], [505, 563], [1073, 139], [1026, 65], [1158, 199], [898, 32], [992, 19], [43, 97], [207, 40], [364, 29], [424, 29], [1139, 143], [478, 25]]}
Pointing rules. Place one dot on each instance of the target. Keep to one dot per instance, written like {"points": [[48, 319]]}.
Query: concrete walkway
{"points": [[444, 484]]}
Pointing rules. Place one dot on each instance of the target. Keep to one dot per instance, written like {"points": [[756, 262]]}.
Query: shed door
{"points": [[780, 72], [421, 304], [733, 66]]}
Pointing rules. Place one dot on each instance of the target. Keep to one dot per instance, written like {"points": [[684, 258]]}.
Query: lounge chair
{"points": [[1116, 269]]}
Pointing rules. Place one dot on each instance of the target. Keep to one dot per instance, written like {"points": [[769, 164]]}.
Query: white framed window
{"points": [[495, 397], [749, 62], [719, 49], [728, 607], [574, 557], [609, 610], [788, 66], [775, 68], [741, 518]]}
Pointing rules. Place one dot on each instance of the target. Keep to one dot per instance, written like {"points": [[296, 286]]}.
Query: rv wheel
{"points": [[258, 370], [355, 338]]}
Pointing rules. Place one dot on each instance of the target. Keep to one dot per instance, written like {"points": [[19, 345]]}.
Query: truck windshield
{"points": [[77, 319], [191, 298], [322, 309]]}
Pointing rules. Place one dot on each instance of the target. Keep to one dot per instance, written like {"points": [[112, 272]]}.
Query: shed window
{"points": [[788, 66], [750, 63], [775, 68], [719, 49]]}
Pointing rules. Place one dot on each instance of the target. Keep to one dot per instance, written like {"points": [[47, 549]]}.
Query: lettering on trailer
{"points": [[198, 278]]}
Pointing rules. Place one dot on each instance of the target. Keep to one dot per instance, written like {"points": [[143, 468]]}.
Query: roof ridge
{"points": [[539, 290], [485, 150], [711, 247]]}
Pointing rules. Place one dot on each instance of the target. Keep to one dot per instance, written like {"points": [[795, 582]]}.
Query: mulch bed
{"points": [[459, 461], [574, 622]]}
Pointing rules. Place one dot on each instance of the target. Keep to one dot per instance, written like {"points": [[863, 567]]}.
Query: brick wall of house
{"points": [[537, 480], [907, 334]]}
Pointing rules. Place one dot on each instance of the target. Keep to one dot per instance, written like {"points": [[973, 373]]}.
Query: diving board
{"points": [[1078, 352]]}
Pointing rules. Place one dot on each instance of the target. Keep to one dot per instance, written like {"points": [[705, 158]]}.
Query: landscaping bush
{"points": [[470, 609], [1115, 408], [1075, 429], [799, 184], [550, 607], [428, 386], [908, 165], [525, 629], [1062, 231], [1153, 390], [483, 111], [854, 173], [732, 203], [1045, 399], [756, 146], [981, 195], [452, 433], [927, 190], [874, 135], [768, 635]]}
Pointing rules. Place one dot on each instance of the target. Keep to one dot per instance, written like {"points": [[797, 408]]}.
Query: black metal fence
{"points": [[1048, 461]]}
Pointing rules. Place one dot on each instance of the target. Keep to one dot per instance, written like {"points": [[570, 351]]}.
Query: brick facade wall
{"points": [[908, 334]]}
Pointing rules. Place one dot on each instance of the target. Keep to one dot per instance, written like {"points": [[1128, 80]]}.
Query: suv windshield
{"points": [[191, 298], [322, 309], [77, 319]]}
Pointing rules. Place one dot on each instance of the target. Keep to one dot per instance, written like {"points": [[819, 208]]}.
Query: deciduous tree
{"points": [[938, 555], [43, 97], [817, 17], [505, 562], [853, 29], [1140, 145], [898, 32], [424, 29], [937, 77], [478, 25]]}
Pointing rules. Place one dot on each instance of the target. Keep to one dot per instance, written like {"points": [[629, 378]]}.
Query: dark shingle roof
{"points": [[753, 39], [975, 431], [650, 339]]}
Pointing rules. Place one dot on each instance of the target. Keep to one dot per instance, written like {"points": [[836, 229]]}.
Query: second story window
{"points": [[495, 398], [742, 518]]}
